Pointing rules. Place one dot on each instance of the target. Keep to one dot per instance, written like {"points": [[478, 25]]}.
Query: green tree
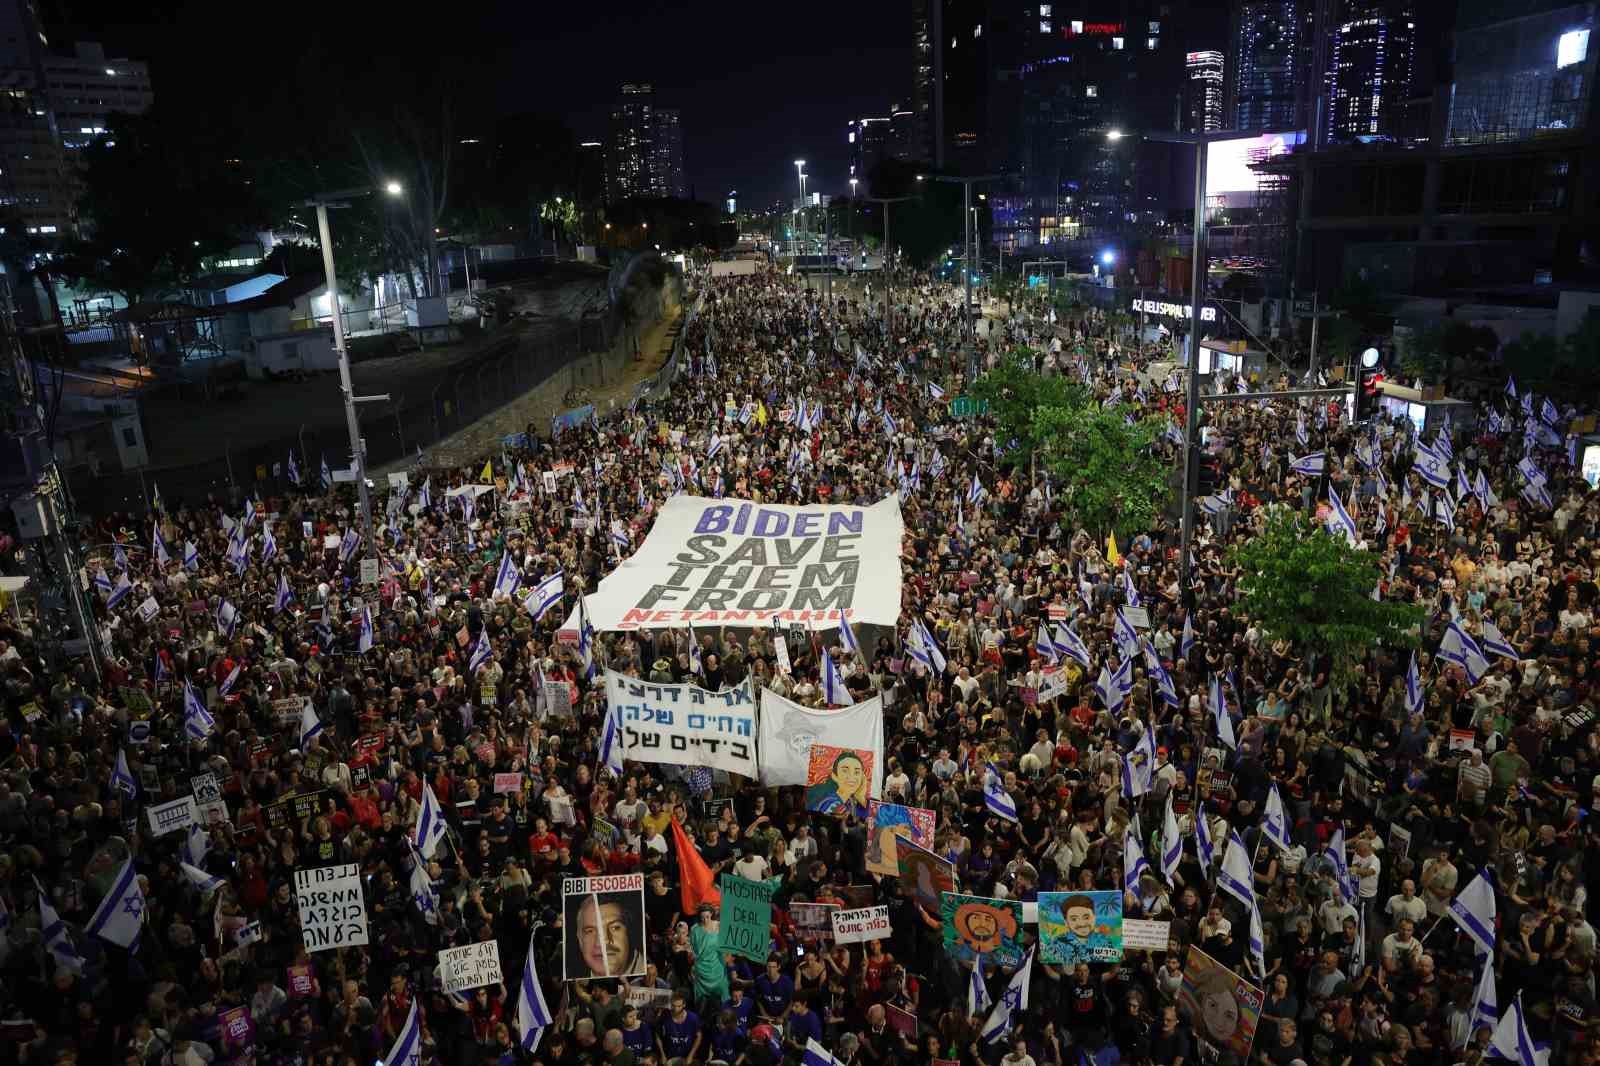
{"points": [[1014, 391], [1110, 474], [1314, 590]]}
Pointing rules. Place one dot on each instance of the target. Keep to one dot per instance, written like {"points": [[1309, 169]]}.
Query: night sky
{"points": [[756, 90]]}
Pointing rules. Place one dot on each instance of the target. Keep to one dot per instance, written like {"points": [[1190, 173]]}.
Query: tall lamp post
{"points": [[358, 451], [966, 310], [883, 259]]}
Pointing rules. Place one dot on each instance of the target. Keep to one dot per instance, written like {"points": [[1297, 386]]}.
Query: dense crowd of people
{"points": [[245, 646]]}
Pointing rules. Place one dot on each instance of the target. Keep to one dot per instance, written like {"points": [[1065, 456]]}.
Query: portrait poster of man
{"points": [[977, 925], [1079, 927], [888, 823], [603, 927], [839, 781]]}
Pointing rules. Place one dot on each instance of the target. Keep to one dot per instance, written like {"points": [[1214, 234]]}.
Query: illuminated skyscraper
{"points": [[1203, 91]]}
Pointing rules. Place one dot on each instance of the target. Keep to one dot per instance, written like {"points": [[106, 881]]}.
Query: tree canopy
{"points": [[1314, 589]]}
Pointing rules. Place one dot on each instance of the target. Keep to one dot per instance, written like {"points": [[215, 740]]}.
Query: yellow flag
{"points": [[1113, 556], [488, 472], [761, 414]]}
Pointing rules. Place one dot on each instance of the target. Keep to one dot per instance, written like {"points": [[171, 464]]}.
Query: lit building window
{"points": [[1091, 91], [1044, 11], [1077, 27], [1116, 44], [977, 31], [1044, 25], [1151, 42]]}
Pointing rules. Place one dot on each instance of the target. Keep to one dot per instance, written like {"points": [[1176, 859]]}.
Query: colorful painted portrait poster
{"points": [[1224, 1007], [1079, 927], [839, 780], [977, 925], [888, 823], [929, 876]]}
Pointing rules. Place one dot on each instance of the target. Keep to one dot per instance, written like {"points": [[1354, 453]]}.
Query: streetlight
{"points": [[358, 451], [966, 183], [1114, 135]]}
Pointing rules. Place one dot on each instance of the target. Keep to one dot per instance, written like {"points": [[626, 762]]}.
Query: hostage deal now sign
{"points": [[720, 562]]}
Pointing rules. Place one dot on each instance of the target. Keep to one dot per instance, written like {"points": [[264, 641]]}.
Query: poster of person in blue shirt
{"points": [[1079, 927]]}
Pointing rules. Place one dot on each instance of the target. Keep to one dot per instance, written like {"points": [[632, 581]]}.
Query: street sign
{"points": [[369, 571], [967, 406], [1305, 306]]}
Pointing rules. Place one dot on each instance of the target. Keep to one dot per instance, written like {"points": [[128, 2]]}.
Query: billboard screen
{"points": [[1228, 162]]}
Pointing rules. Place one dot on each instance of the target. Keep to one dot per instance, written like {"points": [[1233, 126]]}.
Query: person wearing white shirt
{"points": [[803, 846], [1406, 903], [752, 867], [1365, 867], [1333, 912]]}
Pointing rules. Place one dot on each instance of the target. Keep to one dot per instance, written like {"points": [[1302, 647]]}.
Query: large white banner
{"points": [[727, 562], [332, 907], [685, 724], [788, 730]]}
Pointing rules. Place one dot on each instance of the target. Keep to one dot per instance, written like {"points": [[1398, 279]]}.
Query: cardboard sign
{"points": [[901, 1021], [295, 809], [557, 699], [859, 925], [149, 608], [746, 916], [1399, 842], [206, 788], [813, 922], [172, 817], [1052, 683], [1145, 935], [470, 966], [1462, 739], [333, 912], [236, 1028], [647, 998], [301, 984], [504, 783], [1138, 617], [1058, 612]]}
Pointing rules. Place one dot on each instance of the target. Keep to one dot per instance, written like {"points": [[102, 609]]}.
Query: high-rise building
{"points": [[1372, 54], [86, 88], [667, 164], [1203, 91], [1270, 57], [645, 156], [869, 141], [34, 183], [1522, 70], [591, 171], [927, 82]]}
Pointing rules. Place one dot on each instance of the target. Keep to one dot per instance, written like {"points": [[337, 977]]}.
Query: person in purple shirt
{"points": [[743, 1007], [637, 1036], [774, 990], [728, 1038], [802, 1024], [679, 1036]]}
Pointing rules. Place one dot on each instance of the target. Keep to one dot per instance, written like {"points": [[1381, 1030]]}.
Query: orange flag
{"points": [[699, 886]]}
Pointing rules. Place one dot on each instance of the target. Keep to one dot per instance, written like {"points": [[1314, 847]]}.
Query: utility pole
{"points": [[888, 314], [966, 310]]}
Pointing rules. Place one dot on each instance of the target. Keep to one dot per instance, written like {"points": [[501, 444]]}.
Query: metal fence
{"points": [[449, 401]]}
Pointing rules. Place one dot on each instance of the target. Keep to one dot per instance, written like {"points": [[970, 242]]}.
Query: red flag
{"points": [[699, 885]]}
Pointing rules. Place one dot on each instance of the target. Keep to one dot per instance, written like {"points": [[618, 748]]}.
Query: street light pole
{"points": [[888, 314], [358, 452], [966, 310]]}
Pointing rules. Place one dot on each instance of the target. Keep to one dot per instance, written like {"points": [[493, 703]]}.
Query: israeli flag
{"points": [[1511, 387], [1548, 413], [1258, 939], [269, 545], [310, 724], [481, 652], [1127, 637], [197, 721], [1186, 642], [227, 618], [407, 1049], [1413, 686], [1013, 1002], [1310, 465], [206, 883], [1235, 877], [921, 646], [978, 1000], [158, 545], [1158, 672], [1459, 647], [122, 779], [847, 637], [1496, 644], [1300, 435], [196, 846], [280, 600], [294, 470], [102, 581], [348, 545], [889, 426], [1485, 1003], [120, 557], [545, 595], [717, 444], [508, 578], [533, 1015], [1130, 593], [364, 636], [423, 895], [1473, 910], [430, 828], [976, 492], [995, 796], [1133, 861], [1511, 1039], [586, 641], [1275, 821], [1171, 843], [1433, 467], [1219, 712], [1043, 645], [1534, 493], [611, 740], [232, 679], [1068, 643], [1339, 521], [57, 939], [120, 916], [191, 556], [1203, 846], [834, 693], [327, 474], [935, 391], [1335, 853], [120, 590]]}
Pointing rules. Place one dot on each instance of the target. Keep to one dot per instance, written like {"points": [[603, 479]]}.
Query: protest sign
{"points": [[1145, 935], [301, 981], [172, 816], [805, 566], [647, 998], [507, 783], [206, 788], [603, 927], [929, 876], [1399, 842], [889, 822], [900, 1020], [557, 699], [1079, 927], [788, 731], [678, 724], [333, 912], [470, 966], [813, 922], [746, 916], [236, 1029], [860, 924], [976, 925], [1224, 1008], [1052, 683], [838, 780]]}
